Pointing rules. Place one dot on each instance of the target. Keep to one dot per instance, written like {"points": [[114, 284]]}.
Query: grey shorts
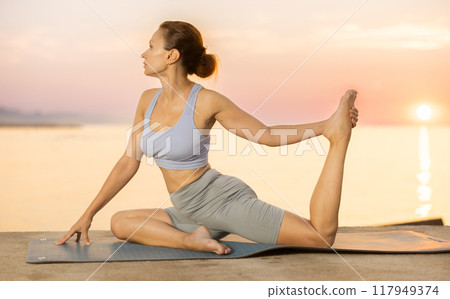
{"points": [[224, 204]]}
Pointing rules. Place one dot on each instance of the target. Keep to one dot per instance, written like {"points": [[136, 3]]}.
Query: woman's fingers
{"points": [[66, 237], [86, 238], [61, 241], [354, 116], [81, 227], [70, 234], [354, 113]]}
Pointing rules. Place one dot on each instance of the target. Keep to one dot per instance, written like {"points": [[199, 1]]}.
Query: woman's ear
{"points": [[173, 56]]}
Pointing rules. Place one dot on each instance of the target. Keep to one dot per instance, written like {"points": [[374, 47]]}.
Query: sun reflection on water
{"points": [[424, 190]]}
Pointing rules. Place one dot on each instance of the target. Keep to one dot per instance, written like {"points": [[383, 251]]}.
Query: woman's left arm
{"points": [[245, 125]]}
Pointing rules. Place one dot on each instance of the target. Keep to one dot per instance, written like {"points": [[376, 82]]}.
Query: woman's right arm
{"points": [[120, 175]]}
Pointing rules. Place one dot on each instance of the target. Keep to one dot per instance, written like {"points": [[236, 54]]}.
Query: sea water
{"points": [[49, 175]]}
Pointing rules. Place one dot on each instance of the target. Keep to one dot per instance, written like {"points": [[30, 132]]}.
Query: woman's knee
{"points": [[323, 239], [117, 223], [296, 230], [120, 228], [328, 237]]}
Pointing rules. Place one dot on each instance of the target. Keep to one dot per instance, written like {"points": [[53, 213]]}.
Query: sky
{"points": [[60, 56]]}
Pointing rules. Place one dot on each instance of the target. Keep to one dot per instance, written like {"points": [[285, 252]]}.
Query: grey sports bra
{"points": [[182, 146]]}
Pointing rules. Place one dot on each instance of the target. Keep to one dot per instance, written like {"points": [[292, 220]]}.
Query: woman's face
{"points": [[155, 57]]}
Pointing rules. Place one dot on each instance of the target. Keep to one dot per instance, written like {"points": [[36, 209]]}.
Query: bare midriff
{"points": [[177, 179]]}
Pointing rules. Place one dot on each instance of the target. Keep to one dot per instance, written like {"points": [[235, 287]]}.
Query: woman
{"points": [[207, 204]]}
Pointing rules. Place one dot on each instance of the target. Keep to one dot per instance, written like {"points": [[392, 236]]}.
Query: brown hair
{"points": [[188, 41]]}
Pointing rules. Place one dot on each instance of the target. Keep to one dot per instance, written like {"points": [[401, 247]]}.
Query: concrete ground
{"points": [[283, 265]]}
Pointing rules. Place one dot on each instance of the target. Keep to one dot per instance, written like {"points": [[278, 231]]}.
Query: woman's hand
{"points": [[354, 116], [81, 227]]}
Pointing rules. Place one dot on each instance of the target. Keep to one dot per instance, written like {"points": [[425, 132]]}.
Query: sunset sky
{"points": [[59, 56]]}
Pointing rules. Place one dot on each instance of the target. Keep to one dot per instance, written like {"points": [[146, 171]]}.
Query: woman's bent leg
{"points": [[158, 230], [154, 227], [324, 207], [326, 198]]}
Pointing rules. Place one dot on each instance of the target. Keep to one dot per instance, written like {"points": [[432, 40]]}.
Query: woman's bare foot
{"points": [[339, 126], [201, 240]]}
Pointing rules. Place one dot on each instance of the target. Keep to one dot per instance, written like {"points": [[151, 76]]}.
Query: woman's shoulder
{"points": [[212, 100], [213, 97], [149, 92], [144, 102], [210, 95], [147, 95]]}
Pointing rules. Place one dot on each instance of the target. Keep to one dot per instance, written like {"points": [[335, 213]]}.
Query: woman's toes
{"points": [[222, 249], [352, 92]]}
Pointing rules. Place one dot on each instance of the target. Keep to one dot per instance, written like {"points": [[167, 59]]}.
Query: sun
{"points": [[424, 112]]}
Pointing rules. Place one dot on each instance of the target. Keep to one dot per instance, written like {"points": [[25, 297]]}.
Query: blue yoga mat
{"points": [[112, 249]]}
